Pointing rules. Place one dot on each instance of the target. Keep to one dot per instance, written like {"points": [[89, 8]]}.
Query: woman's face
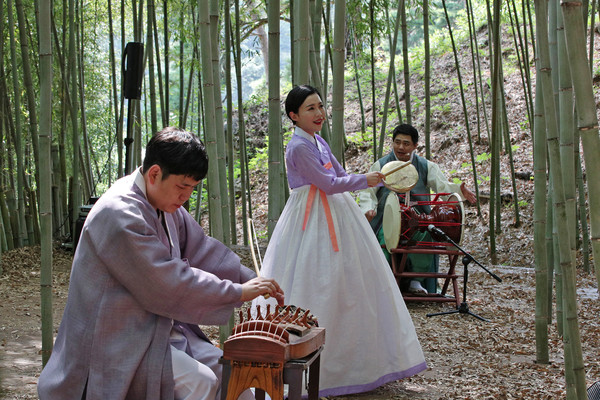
{"points": [[311, 114]]}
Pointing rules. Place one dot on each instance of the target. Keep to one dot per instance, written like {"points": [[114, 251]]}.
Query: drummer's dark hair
{"points": [[406, 129], [176, 152], [296, 97]]}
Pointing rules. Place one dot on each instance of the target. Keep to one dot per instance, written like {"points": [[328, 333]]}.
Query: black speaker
{"points": [[83, 213], [133, 70]]}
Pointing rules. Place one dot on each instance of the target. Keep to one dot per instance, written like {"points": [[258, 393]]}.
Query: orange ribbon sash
{"points": [[309, 202]]}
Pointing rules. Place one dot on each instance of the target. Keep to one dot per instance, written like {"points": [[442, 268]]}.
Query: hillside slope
{"points": [[449, 148]]}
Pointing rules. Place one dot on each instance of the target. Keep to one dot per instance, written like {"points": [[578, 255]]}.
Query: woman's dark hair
{"points": [[177, 152], [406, 129], [296, 97]]}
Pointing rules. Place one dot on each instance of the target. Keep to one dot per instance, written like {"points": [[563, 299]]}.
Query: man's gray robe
{"points": [[129, 281]]}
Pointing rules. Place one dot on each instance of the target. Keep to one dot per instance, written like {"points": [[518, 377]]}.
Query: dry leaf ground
{"points": [[467, 358]]}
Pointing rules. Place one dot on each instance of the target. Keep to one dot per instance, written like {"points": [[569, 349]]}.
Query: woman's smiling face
{"points": [[311, 114]]}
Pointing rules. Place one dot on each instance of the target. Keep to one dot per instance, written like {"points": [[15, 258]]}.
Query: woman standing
{"points": [[326, 259]]}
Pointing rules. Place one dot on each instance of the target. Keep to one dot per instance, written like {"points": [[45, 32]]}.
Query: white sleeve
{"points": [[438, 182], [367, 198]]}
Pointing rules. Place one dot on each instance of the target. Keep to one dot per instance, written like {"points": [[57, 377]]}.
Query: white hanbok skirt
{"points": [[369, 335]]}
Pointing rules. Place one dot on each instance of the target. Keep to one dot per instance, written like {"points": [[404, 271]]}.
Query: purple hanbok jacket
{"points": [[306, 165], [128, 284]]}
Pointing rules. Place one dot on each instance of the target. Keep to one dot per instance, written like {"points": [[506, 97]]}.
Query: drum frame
{"points": [[406, 231], [394, 232], [405, 246]]}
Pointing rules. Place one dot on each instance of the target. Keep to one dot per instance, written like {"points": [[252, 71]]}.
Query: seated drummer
{"points": [[431, 178]]}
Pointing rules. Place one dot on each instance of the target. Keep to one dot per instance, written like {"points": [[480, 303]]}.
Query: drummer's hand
{"points": [[261, 286], [374, 178], [467, 194], [370, 215]]}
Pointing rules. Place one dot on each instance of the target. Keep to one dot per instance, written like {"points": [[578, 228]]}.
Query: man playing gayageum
{"points": [[372, 200], [144, 276]]}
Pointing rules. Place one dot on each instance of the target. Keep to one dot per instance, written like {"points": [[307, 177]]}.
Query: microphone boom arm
{"points": [[434, 229]]}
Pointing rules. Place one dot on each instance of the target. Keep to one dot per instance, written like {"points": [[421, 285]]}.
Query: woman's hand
{"points": [[374, 178], [261, 287]]}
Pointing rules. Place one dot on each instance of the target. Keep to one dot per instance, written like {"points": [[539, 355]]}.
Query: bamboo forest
{"points": [[504, 96]]}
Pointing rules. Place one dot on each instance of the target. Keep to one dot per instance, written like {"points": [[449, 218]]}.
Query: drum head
{"points": [[402, 180], [456, 197], [391, 222]]}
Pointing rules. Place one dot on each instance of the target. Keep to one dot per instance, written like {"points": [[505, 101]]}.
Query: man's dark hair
{"points": [[296, 97], [406, 129], [177, 152]]}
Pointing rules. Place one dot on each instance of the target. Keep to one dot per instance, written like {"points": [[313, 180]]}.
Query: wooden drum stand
{"points": [[267, 352], [401, 221], [449, 277]]}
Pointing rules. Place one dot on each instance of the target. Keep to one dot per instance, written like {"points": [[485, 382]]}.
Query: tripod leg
{"points": [[464, 306], [442, 313], [463, 309], [477, 316]]}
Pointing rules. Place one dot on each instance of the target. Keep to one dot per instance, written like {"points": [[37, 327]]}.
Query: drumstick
{"points": [[252, 248], [256, 243], [250, 224], [406, 164]]}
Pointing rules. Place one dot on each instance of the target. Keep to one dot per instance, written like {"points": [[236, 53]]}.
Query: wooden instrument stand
{"points": [[398, 268], [238, 376], [266, 352]]}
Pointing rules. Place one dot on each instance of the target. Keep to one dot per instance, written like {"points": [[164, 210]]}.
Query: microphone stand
{"points": [[464, 306]]}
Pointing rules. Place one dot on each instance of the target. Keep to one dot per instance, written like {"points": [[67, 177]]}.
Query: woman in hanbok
{"points": [[326, 259]]}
